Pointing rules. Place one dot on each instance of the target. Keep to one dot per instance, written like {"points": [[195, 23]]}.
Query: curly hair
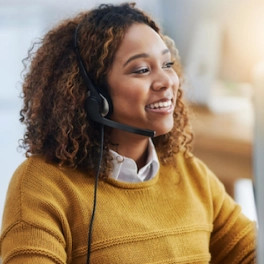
{"points": [[54, 93]]}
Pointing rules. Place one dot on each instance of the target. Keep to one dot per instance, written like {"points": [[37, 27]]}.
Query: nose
{"points": [[164, 80]]}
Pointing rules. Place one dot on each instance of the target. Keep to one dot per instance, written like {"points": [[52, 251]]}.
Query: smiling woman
{"points": [[93, 78]]}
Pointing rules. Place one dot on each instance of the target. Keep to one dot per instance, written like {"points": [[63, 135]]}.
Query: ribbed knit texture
{"points": [[183, 215]]}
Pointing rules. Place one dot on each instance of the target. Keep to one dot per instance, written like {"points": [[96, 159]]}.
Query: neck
{"points": [[131, 146]]}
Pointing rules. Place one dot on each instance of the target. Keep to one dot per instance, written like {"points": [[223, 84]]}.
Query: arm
{"points": [[233, 237], [25, 243]]}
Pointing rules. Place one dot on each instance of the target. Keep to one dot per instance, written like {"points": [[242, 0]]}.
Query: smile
{"points": [[160, 105]]}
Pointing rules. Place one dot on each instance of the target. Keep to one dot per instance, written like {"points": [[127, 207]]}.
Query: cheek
{"points": [[176, 80], [126, 100], [176, 86], [130, 94]]}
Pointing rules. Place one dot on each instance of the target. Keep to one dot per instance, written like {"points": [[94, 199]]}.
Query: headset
{"points": [[99, 106]]}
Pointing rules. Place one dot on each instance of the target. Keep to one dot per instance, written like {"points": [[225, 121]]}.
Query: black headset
{"points": [[99, 104]]}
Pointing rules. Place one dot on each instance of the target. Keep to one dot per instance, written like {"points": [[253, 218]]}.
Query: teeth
{"points": [[160, 105]]}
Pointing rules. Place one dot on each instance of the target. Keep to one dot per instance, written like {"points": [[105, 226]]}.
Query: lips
{"points": [[160, 104]]}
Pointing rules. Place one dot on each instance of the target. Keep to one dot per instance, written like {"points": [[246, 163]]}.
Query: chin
{"points": [[163, 126], [163, 131]]}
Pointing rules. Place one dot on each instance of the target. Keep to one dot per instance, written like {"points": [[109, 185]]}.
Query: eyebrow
{"points": [[143, 55]]}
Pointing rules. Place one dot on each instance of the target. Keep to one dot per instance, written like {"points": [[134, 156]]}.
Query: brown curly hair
{"points": [[54, 93]]}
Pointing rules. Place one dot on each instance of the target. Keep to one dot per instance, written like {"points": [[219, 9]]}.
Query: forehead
{"points": [[140, 38]]}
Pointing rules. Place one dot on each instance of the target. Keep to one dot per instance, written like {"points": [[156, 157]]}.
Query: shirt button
{"points": [[119, 159]]}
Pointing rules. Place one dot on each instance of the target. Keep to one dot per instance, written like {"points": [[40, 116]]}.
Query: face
{"points": [[142, 84]]}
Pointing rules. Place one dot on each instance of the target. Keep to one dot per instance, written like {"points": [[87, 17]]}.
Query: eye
{"points": [[141, 70], [168, 65]]}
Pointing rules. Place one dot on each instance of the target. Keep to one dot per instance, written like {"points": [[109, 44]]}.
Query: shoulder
{"points": [[32, 179], [192, 173], [36, 166], [193, 166], [39, 180], [36, 172], [33, 175], [37, 185], [198, 176]]}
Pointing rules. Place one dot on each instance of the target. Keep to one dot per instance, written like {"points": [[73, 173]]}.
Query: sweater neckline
{"points": [[133, 185]]}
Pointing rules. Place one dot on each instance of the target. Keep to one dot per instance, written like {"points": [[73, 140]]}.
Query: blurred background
{"points": [[221, 44]]}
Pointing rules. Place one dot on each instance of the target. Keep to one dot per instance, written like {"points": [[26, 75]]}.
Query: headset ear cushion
{"points": [[105, 106]]}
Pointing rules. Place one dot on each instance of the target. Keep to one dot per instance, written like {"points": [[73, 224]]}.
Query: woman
{"points": [[155, 202]]}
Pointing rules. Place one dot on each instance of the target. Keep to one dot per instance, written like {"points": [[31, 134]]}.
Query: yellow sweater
{"points": [[183, 215]]}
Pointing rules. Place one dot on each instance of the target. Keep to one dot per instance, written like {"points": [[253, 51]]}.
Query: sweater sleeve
{"points": [[233, 236], [32, 230], [24, 243]]}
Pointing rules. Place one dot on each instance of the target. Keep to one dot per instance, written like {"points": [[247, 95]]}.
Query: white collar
{"points": [[125, 169]]}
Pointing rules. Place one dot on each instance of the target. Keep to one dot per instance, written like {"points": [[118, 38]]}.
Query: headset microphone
{"points": [[98, 106], [93, 111]]}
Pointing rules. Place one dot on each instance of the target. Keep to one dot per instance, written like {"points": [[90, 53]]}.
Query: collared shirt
{"points": [[125, 169]]}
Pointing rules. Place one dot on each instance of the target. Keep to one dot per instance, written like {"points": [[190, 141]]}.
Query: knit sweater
{"points": [[182, 215]]}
